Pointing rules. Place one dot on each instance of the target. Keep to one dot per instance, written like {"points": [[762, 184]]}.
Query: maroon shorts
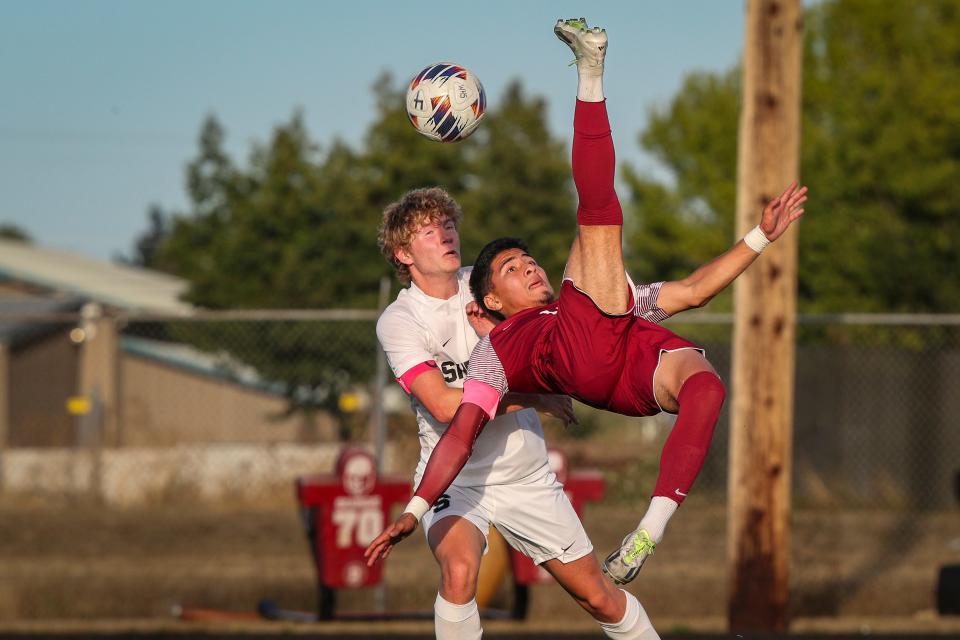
{"points": [[607, 361]]}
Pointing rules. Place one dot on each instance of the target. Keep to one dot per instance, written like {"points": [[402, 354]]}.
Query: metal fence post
{"points": [[378, 416]]}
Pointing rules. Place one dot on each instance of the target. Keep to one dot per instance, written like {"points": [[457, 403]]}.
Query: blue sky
{"points": [[102, 100]]}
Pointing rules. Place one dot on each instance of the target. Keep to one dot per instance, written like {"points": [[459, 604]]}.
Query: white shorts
{"points": [[535, 517]]}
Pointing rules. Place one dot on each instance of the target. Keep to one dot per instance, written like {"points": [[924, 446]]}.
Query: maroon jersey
{"points": [[571, 347]]}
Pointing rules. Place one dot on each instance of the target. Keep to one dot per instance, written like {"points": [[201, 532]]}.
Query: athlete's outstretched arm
{"points": [[702, 285], [446, 461]]}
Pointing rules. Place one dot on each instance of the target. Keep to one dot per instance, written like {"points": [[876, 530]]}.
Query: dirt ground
{"points": [[851, 570], [74, 561]]}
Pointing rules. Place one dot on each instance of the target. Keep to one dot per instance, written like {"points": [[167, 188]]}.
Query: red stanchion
{"points": [[342, 514]]}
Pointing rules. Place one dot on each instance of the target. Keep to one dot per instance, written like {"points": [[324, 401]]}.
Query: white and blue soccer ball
{"points": [[446, 102]]}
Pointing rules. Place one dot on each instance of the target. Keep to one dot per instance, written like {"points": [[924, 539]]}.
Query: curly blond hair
{"points": [[402, 219]]}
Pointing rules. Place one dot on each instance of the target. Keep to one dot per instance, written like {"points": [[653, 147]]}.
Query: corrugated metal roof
{"points": [[220, 366], [127, 287]]}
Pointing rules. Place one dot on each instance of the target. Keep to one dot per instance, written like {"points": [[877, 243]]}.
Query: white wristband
{"points": [[756, 240], [417, 507]]}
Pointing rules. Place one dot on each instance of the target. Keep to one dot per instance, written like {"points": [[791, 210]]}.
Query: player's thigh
{"points": [[674, 369], [457, 544], [596, 267], [457, 524], [572, 270]]}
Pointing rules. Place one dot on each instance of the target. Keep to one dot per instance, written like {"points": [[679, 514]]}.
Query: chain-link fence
{"points": [[875, 396], [224, 405], [148, 413], [313, 374], [875, 407]]}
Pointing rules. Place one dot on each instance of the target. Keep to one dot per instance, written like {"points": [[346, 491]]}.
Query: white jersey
{"points": [[417, 328]]}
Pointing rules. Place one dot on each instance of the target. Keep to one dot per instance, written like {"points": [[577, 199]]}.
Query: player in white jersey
{"points": [[422, 334], [428, 337]]}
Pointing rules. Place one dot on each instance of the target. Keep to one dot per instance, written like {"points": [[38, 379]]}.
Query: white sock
{"points": [[590, 88], [635, 624], [456, 621], [658, 514]]}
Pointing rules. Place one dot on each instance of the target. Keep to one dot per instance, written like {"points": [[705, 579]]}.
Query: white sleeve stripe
{"points": [[655, 315], [485, 366], [646, 303]]}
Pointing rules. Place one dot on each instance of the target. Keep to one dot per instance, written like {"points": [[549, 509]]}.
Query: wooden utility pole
{"points": [[763, 346]]}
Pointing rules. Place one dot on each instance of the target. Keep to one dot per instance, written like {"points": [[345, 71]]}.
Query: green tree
{"points": [[880, 151], [882, 115], [13, 232], [276, 235], [673, 229], [521, 184], [146, 244], [297, 229]]}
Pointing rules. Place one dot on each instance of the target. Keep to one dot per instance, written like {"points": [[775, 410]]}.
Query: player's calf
{"points": [[700, 400]]}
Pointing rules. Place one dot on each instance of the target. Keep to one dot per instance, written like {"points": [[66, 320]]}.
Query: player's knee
{"points": [[715, 391], [603, 605], [460, 578], [705, 389]]}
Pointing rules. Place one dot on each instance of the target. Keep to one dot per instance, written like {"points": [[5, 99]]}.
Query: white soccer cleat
{"points": [[624, 564], [589, 45]]}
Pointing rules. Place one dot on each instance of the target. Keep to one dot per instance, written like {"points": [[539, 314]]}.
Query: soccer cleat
{"points": [[624, 564], [589, 45]]}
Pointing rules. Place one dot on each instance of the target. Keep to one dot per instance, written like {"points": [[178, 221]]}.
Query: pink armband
{"points": [[482, 395], [413, 373]]}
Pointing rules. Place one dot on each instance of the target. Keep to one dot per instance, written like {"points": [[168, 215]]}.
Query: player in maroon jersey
{"points": [[597, 342]]}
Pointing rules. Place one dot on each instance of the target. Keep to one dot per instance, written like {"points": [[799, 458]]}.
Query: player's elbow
{"points": [[443, 414], [690, 296], [442, 408], [699, 299]]}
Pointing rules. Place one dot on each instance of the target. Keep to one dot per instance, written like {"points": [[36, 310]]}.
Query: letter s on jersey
{"points": [[453, 371], [442, 503]]}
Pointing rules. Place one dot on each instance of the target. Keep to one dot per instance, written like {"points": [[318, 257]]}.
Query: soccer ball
{"points": [[446, 102]]}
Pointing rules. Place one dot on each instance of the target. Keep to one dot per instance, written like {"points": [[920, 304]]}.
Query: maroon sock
{"points": [[594, 163], [700, 400]]}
